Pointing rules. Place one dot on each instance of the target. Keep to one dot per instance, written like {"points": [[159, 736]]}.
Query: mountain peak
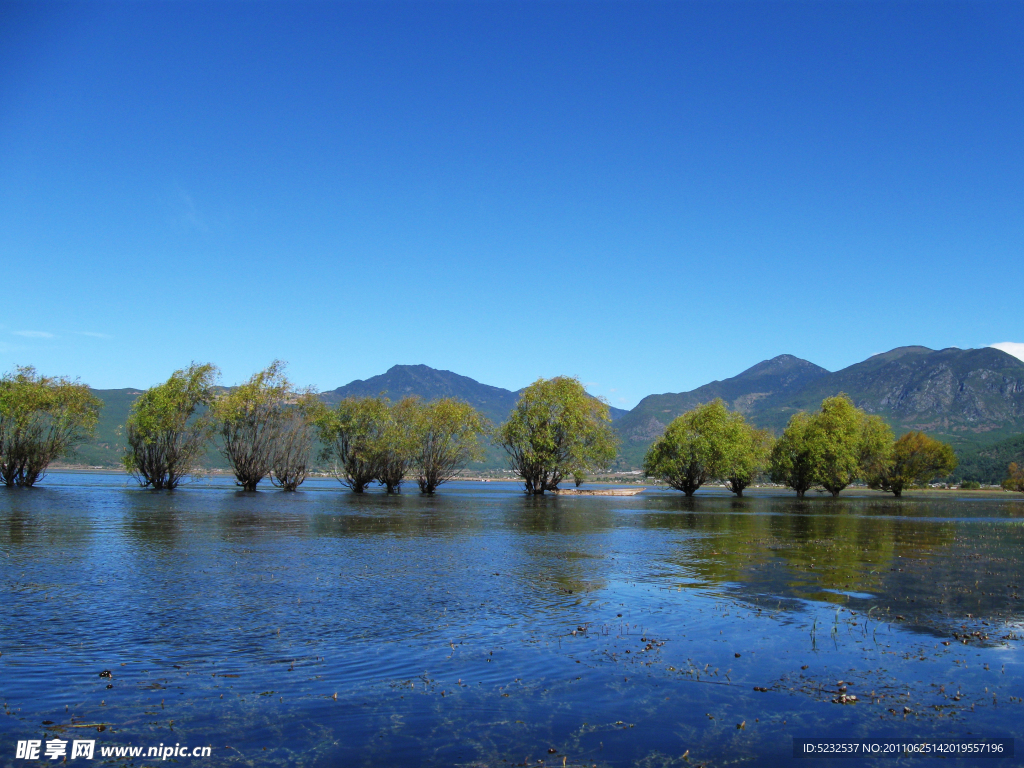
{"points": [[898, 352], [431, 384], [782, 365], [419, 368]]}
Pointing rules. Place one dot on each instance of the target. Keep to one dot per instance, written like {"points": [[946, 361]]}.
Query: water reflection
{"points": [[482, 626]]}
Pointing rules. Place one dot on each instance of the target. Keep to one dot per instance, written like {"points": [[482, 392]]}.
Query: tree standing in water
{"points": [[846, 443], [750, 450], [396, 446], [42, 418], [556, 430], [698, 446], [294, 449], [351, 435], [251, 418], [448, 433], [792, 461], [169, 427], [916, 459]]}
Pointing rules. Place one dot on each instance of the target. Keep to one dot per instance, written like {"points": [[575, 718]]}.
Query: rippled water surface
{"points": [[481, 627]]}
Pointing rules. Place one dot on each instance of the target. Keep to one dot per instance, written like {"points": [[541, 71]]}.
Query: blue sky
{"points": [[647, 195]]}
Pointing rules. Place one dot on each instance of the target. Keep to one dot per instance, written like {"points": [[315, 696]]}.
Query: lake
{"points": [[480, 627]]}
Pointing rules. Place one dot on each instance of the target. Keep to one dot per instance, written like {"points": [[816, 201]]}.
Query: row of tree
{"points": [[270, 429], [828, 449], [371, 439]]}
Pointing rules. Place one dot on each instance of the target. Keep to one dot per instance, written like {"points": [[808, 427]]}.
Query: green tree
{"points": [[700, 445], [169, 427], [556, 430], [792, 461], [295, 440], [834, 434], [251, 418], [396, 446], [351, 434], [750, 450], [1014, 478], [599, 449], [448, 434], [846, 443], [876, 446], [915, 459], [42, 418]]}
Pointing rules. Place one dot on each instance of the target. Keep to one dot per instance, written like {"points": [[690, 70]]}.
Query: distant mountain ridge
{"points": [[742, 392], [952, 392], [963, 395], [432, 384]]}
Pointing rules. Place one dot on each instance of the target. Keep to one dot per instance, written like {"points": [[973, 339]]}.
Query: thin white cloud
{"points": [[33, 334], [94, 335], [1014, 348]]}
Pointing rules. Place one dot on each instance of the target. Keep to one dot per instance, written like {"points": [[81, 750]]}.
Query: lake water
{"points": [[484, 628]]}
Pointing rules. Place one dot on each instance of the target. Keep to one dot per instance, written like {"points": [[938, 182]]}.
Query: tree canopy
{"points": [[169, 427], [556, 430], [251, 418], [915, 459], [792, 461], [1014, 478], [448, 433], [294, 447], [707, 443], [42, 418], [749, 453], [351, 434], [831, 448]]}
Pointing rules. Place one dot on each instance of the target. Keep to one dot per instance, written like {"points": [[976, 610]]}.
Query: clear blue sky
{"points": [[646, 195]]}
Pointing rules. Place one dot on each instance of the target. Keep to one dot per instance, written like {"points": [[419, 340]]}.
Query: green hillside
{"points": [[105, 449], [987, 464], [971, 398], [744, 392]]}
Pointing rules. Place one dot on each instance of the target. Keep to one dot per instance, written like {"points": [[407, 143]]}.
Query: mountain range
{"points": [[973, 398], [432, 384]]}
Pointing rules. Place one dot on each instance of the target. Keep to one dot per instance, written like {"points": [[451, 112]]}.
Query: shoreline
{"points": [[635, 489]]}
